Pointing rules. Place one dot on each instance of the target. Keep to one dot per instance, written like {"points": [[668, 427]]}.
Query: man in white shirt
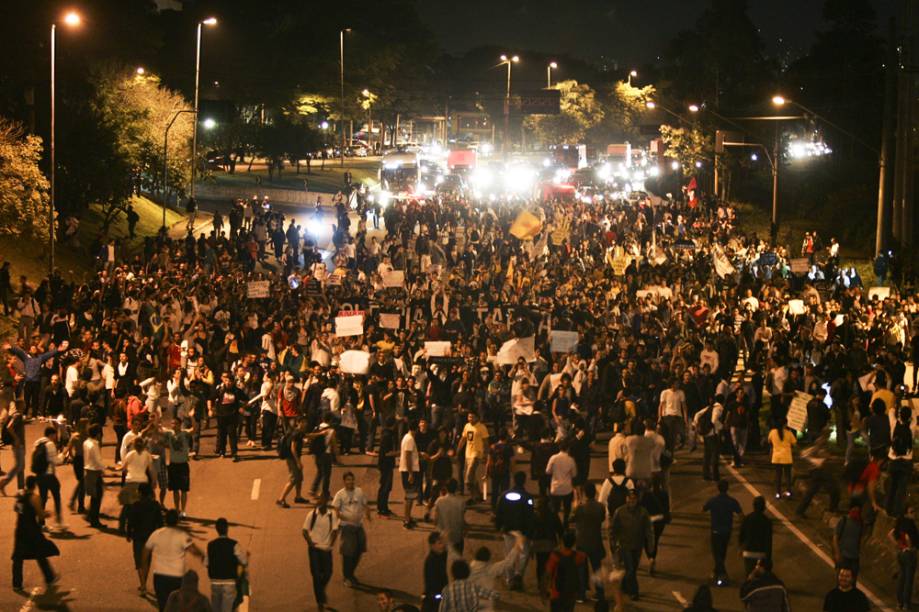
{"points": [[709, 356], [410, 469], [618, 448], [47, 478], [320, 530], [672, 411], [351, 505], [708, 422], [561, 469], [164, 553], [93, 470]]}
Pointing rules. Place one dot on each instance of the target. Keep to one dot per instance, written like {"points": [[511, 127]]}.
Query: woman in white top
{"points": [[137, 464], [269, 408]]}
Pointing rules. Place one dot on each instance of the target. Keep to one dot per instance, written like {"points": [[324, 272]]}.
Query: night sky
{"points": [[630, 32]]}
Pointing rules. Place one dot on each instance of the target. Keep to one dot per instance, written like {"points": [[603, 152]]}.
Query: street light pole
{"points": [[549, 68], [341, 80], [166, 156], [210, 21], [507, 98], [774, 226]]}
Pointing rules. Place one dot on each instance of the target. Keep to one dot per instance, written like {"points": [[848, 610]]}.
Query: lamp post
{"points": [[552, 66], [509, 61], [71, 19], [166, 156], [341, 80], [632, 73], [652, 105], [210, 21]]}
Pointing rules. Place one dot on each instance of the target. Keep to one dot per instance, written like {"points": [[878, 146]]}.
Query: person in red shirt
{"points": [[564, 569], [864, 486]]}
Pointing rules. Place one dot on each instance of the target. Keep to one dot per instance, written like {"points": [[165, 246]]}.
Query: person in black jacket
{"points": [[756, 535], [224, 559], [435, 572], [143, 518], [516, 512]]}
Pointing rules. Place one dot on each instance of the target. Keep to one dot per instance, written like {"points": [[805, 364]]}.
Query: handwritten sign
{"points": [[394, 278], [797, 411], [390, 320], [437, 349], [257, 289], [563, 341], [799, 265], [349, 323], [354, 362]]}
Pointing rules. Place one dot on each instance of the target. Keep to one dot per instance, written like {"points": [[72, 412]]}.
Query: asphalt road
{"points": [[97, 571]]}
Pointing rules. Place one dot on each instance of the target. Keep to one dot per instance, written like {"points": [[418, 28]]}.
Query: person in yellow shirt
{"points": [[475, 441], [782, 441]]}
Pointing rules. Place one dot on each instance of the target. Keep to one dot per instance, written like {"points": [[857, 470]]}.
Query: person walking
{"points": [[562, 470], [845, 596], [588, 518], [290, 449], [449, 516], [756, 535], [179, 442], [515, 518], [410, 469], [562, 579], [322, 445], [435, 572], [94, 467], [463, 594], [722, 508], [630, 533], [164, 554], [226, 561], [226, 405], [28, 540], [474, 441], [386, 462], [320, 530], [187, 598], [707, 422], [143, 517], [848, 534], [15, 427], [905, 538], [782, 441], [352, 507], [762, 591], [45, 458]]}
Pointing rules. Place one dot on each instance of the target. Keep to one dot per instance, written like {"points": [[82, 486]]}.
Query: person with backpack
{"points": [[708, 423], [28, 541], [323, 449], [563, 575], [615, 488], [782, 441], [320, 530], [45, 458], [498, 466], [630, 533], [900, 464], [352, 507], [226, 561], [290, 447]]}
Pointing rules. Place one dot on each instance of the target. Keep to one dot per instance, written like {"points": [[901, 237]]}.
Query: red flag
{"points": [[692, 184]]}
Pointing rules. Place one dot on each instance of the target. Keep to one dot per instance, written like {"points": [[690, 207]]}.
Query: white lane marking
{"points": [[801, 536], [256, 487], [679, 598]]}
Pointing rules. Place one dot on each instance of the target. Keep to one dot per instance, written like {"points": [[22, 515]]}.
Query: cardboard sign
{"points": [[526, 226], [797, 410], [514, 349], [349, 324], [437, 349], [257, 289], [796, 307], [394, 278], [881, 293], [563, 341], [723, 265], [390, 320], [620, 263], [799, 265], [312, 287], [354, 362]]}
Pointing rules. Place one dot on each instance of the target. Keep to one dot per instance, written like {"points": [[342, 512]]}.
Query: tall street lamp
{"points": [[697, 108], [341, 75], [210, 21], [509, 61], [652, 105], [71, 20], [552, 66], [632, 73]]}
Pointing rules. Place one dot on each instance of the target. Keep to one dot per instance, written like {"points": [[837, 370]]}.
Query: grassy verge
{"points": [[329, 180]]}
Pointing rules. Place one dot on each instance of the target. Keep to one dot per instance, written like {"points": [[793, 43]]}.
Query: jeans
{"points": [[782, 469], [710, 458], [30, 392], [94, 490], [630, 560], [719, 552], [384, 490], [18, 469], [674, 426], [850, 444], [223, 595], [739, 438], [163, 586], [321, 569], [499, 484], [43, 564], [269, 424], [519, 569], [323, 473], [470, 477], [906, 560], [120, 431], [560, 502], [227, 426], [48, 483], [595, 561]]}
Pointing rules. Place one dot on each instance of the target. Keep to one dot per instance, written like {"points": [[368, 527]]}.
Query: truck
{"points": [[461, 160], [571, 156], [399, 172], [619, 154]]}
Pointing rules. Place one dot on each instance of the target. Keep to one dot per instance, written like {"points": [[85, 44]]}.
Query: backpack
{"points": [[284, 445], [567, 576], [617, 495], [39, 464]]}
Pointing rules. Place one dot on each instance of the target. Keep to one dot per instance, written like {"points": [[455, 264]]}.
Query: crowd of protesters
{"points": [[687, 330]]}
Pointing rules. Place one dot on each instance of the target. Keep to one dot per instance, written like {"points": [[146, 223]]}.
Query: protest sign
{"points": [[796, 307], [526, 226], [354, 362], [349, 323], [257, 289], [437, 349], [390, 320], [393, 278], [799, 265], [620, 263], [797, 411], [881, 293], [723, 265], [563, 341], [514, 349]]}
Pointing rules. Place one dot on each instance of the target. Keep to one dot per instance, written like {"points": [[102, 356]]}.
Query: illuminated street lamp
{"points": [[552, 66], [210, 22], [507, 96], [632, 73], [141, 71], [72, 20], [694, 108]]}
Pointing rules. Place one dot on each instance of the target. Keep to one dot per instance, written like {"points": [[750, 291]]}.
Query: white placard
{"points": [[796, 307], [390, 320], [514, 349], [394, 278], [354, 362], [797, 411], [257, 289], [352, 325], [799, 265], [839, 320], [881, 293], [437, 348], [563, 341]]}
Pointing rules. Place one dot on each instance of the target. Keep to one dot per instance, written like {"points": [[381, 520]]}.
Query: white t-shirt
{"points": [[411, 449], [322, 528], [168, 545], [137, 465], [350, 505], [674, 402], [562, 469]]}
